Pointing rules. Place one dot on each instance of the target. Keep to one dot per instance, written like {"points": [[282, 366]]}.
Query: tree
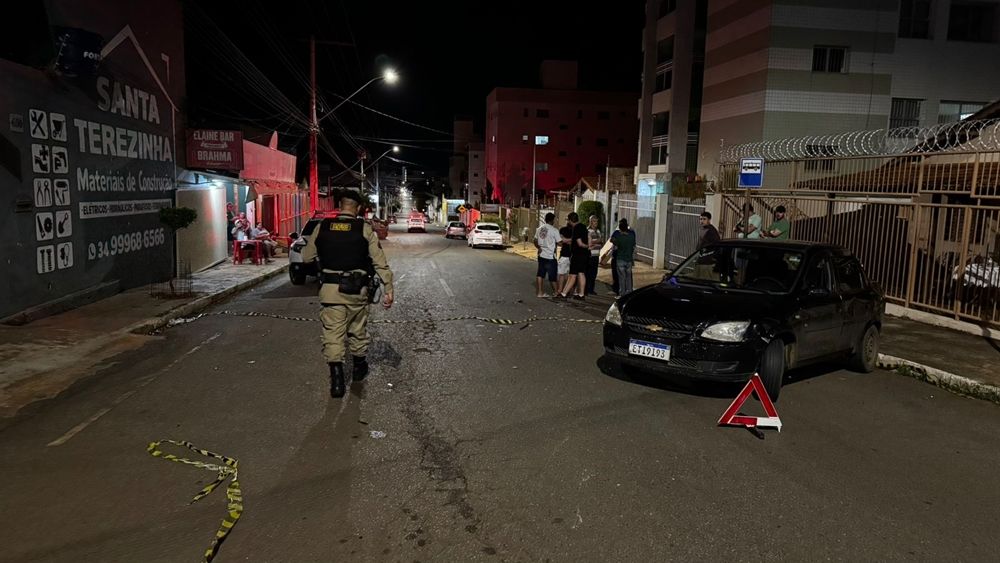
{"points": [[588, 208]]}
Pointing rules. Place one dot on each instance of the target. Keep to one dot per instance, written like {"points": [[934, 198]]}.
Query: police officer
{"points": [[349, 253]]}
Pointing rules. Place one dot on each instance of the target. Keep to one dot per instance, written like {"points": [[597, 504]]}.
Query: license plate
{"points": [[649, 350]]}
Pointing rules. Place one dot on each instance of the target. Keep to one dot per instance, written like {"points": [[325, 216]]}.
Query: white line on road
{"points": [[446, 288], [142, 383]]}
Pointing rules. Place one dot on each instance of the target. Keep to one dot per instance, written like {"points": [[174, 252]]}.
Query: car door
{"points": [[857, 301], [819, 320]]}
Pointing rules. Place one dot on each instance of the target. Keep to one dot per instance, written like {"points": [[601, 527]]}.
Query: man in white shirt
{"points": [[752, 230], [263, 235], [546, 239]]}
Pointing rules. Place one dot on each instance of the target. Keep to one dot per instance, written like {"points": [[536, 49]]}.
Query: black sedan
{"points": [[741, 307]]}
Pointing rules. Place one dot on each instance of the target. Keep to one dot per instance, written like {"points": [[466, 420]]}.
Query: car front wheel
{"points": [[865, 358], [772, 368], [297, 278]]}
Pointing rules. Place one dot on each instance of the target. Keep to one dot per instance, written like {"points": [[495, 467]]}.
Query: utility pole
{"points": [[313, 131]]}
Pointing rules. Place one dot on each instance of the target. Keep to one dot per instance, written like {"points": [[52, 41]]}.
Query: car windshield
{"points": [[757, 268], [488, 228]]}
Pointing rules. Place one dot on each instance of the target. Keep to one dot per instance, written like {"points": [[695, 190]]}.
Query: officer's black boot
{"points": [[337, 386], [360, 368]]}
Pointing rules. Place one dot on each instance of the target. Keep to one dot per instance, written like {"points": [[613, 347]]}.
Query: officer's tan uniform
{"points": [[347, 315]]}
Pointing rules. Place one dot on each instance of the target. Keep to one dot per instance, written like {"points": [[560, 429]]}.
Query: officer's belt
{"points": [[339, 277]]}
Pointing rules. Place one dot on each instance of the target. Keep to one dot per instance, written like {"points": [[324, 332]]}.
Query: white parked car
{"points": [[486, 234]]}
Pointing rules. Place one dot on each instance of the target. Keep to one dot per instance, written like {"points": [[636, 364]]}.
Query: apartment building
{"points": [[724, 72]]}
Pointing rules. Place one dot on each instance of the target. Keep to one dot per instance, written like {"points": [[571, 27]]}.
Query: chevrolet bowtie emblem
{"points": [[653, 328]]}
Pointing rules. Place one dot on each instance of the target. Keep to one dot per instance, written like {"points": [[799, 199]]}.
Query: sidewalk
{"points": [[959, 362], [41, 359]]}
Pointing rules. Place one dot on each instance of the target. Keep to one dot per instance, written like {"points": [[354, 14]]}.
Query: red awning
{"points": [[272, 187]]}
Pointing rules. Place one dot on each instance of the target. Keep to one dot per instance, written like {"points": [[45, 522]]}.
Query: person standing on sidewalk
{"points": [[546, 240], [595, 241], [709, 234], [565, 251], [578, 259], [348, 250], [624, 241], [780, 228]]}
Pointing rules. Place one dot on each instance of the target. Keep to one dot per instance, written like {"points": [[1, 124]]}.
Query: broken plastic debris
{"points": [[377, 434], [252, 362], [390, 385]]}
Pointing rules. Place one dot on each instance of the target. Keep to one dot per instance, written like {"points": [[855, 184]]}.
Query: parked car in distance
{"points": [[455, 229], [741, 307], [485, 234]]}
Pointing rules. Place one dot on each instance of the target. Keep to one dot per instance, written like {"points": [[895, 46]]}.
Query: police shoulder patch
{"points": [[340, 226]]}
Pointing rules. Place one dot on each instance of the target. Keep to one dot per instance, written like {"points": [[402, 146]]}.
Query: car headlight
{"points": [[614, 316], [731, 331]]}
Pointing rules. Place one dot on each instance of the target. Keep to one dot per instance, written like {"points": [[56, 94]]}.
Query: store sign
{"points": [[215, 149]]}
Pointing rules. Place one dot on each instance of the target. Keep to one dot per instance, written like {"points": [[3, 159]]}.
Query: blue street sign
{"points": [[751, 172]]}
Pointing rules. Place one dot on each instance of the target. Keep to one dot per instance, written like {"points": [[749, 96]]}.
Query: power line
{"points": [[399, 119]]}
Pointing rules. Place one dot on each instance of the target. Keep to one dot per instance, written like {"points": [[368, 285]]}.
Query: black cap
{"points": [[779, 209], [352, 195]]}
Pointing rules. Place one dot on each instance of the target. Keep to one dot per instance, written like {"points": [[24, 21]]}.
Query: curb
{"points": [[940, 378], [200, 304]]}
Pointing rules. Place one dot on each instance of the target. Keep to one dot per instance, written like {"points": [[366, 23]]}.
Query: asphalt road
{"points": [[500, 444]]}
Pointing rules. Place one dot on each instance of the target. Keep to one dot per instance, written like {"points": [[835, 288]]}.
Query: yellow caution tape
{"points": [[225, 470], [502, 322]]}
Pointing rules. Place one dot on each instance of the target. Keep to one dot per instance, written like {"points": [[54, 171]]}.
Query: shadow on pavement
{"points": [[680, 384], [287, 290]]}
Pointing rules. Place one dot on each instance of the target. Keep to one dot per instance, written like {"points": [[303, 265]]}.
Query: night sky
{"points": [[449, 58]]}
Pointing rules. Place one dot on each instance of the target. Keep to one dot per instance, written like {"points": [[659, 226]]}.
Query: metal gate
{"points": [[683, 230], [640, 211]]}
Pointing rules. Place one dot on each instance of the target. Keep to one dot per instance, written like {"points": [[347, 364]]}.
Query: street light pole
{"points": [[313, 131], [534, 169], [389, 76]]}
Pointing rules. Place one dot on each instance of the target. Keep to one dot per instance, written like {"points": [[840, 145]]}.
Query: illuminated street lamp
{"points": [[389, 75]]}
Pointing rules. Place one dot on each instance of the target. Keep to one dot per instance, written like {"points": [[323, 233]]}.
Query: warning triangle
{"points": [[730, 418]]}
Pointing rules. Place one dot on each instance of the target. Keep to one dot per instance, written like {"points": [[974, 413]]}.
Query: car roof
{"points": [[797, 245], [486, 223]]}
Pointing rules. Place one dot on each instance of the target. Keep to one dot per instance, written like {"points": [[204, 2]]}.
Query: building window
{"points": [[579, 141], [829, 59], [602, 142], [905, 112], [604, 115], [579, 114], [475, 174], [525, 112], [972, 21], [667, 6], [659, 156], [661, 123], [665, 50], [541, 113], [541, 167], [563, 127], [664, 80], [915, 19], [814, 151], [957, 111], [562, 153]]}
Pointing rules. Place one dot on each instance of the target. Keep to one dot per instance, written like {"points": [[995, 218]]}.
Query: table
{"points": [[258, 256]]}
